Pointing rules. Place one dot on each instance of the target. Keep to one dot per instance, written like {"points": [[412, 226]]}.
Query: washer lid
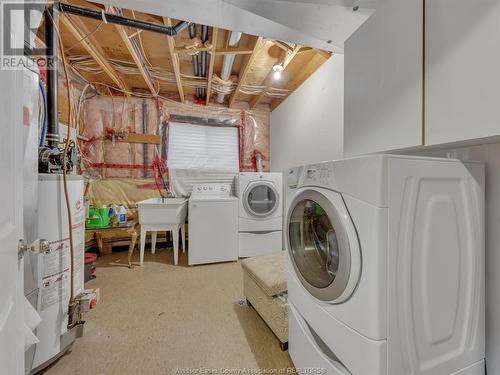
{"points": [[261, 199], [323, 244]]}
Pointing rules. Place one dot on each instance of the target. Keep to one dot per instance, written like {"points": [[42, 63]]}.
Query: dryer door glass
{"points": [[314, 244], [319, 245], [261, 199]]}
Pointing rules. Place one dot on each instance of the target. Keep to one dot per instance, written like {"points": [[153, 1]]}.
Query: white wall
{"points": [[308, 126], [490, 155]]}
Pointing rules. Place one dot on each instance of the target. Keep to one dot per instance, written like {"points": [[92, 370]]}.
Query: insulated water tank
{"points": [[51, 270]]}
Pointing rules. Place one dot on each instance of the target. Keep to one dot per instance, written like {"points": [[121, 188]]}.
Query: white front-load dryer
{"points": [[386, 266], [260, 213]]}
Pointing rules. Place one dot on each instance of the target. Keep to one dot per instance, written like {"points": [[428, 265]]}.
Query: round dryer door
{"points": [[323, 245], [261, 199]]}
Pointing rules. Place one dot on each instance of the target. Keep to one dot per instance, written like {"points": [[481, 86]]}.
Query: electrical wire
{"points": [[80, 107], [140, 43], [65, 154], [88, 35], [94, 84], [219, 86], [88, 65], [113, 105]]}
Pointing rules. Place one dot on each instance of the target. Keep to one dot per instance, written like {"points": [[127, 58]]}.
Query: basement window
{"points": [[203, 148]]}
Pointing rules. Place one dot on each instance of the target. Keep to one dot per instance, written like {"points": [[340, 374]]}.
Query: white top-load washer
{"points": [[213, 224], [260, 213], [386, 266]]}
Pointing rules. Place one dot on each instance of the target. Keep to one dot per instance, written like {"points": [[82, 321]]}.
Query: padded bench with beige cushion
{"points": [[264, 286]]}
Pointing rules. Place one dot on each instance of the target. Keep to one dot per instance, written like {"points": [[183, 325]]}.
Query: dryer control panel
{"points": [[317, 174]]}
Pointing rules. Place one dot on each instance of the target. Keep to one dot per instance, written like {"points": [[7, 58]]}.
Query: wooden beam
{"points": [[78, 29], [300, 75], [325, 54], [215, 33], [175, 60], [304, 49], [141, 138], [234, 51], [135, 53], [289, 55], [187, 49], [284, 46], [244, 71], [220, 51]]}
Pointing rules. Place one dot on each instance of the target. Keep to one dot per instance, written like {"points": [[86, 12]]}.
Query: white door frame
{"points": [[11, 222]]}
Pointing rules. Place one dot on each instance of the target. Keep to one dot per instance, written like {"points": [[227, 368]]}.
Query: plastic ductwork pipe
{"points": [[194, 57], [234, 41], [180, 26], [204, 38]]}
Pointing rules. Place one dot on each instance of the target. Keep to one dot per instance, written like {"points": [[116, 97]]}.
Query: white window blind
{"points": [[203, 147]]}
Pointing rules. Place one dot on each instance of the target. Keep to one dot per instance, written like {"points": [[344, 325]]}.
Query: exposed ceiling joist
{"points": [[78, 29], [244, 72], [108, 55], [220, 51], [215, 33], [136, 55], [289, 55], [284, 46], [322, 24], [305, 72], [188, 49], [174, 57], [304, 49], [325, 54], [234, 51]]}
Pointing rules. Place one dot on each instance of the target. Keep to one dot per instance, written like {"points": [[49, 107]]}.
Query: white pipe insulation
{"points": [[234, 41]]}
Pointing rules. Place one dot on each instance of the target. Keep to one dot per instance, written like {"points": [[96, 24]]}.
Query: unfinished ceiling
{"points": [[130, 60]]}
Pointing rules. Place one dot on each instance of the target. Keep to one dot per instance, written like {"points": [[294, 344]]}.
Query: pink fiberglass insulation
{"points": [[105, 117], [105, 120], [254, 125]]}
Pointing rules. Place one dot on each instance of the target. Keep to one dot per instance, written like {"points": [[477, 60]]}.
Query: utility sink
{"points": [[162, 214], [162, 211]]}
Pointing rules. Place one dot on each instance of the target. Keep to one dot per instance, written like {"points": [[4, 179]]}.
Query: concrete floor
{"points": [[161, 319]]}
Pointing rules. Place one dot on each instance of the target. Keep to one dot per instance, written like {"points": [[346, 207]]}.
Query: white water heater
{"points": [[51, 271]]}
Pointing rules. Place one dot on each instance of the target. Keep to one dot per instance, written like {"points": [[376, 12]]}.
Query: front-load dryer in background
{"points": [[386, 266], [260, 213]]}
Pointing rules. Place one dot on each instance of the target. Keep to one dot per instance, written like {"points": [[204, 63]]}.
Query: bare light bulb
{"points": [[278, 68]]}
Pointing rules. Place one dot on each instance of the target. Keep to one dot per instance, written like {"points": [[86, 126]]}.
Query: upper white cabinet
{"points": [[383, 80], [462, 70]]}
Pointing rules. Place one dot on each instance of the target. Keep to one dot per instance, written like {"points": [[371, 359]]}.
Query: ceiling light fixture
{"points": [[277, 68]]}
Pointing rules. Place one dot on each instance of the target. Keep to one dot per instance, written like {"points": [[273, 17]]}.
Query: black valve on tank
{"points": [[50, 160]]}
